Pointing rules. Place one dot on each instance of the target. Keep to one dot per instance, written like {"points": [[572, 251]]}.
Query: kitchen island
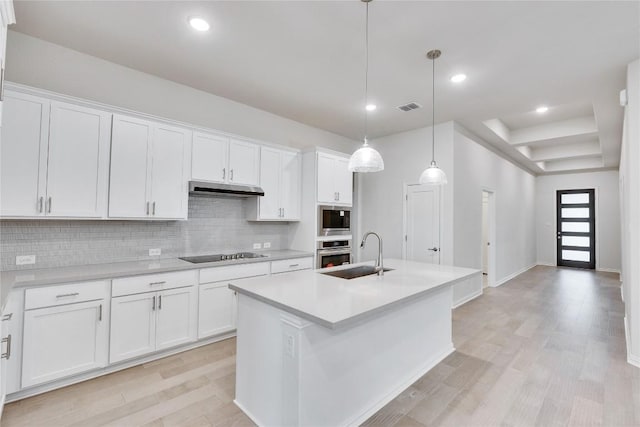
{"points": [[317, 350]]}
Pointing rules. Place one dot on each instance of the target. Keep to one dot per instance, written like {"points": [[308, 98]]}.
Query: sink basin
{"points": [[354, 272]]}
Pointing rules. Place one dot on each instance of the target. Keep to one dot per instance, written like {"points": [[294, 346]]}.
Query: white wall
{"points": [[607, 215], [478, 169], [630, 203], [45, 65]]}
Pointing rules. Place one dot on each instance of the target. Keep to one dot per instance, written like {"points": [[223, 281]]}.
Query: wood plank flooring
{"points": [[545, 349]]}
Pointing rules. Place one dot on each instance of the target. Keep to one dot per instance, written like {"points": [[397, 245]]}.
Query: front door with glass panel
{"points": [[576, 228]]}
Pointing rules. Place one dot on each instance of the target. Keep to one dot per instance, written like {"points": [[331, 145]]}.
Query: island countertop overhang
{"points": [[336, 303]]}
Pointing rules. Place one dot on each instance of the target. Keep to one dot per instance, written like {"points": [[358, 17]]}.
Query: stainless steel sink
{"points": [[355, 272]]}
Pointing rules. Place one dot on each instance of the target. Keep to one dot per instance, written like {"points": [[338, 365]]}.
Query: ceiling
{"points": [[305, 60]]}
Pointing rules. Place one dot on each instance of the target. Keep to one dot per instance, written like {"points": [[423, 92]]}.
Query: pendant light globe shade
{"points": [[433, 175], [366, 159]]}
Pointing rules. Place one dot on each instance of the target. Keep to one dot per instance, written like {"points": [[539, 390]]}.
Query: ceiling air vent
{"points": [[410, 106]]}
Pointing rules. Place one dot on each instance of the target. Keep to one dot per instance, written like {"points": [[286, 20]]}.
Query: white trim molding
{"points": [[631, 358], [514, 275], [465, 300]]}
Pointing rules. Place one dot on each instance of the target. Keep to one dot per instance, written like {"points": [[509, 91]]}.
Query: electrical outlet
{"points": [[25, 259], [257, 246], [291, 345], [266, 245], [155, 252]]}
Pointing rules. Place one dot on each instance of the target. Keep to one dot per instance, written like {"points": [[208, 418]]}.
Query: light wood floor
{"points": [[545, 349]]}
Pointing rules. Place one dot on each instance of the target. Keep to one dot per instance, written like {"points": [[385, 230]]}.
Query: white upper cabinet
{"points": [[218, 158], [335, 182], [280, 180], [149, 164], [55, 159]]}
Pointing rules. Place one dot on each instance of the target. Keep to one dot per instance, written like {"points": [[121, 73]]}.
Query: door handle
{"points": [[434, 249], [7, 354]]}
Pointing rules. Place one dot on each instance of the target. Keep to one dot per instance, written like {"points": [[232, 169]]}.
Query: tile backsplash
{"points": [[215, 225]]}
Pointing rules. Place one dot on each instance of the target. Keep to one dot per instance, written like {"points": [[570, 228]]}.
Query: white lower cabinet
{"points": [[152, 321], [64, 340], [217, 312]]}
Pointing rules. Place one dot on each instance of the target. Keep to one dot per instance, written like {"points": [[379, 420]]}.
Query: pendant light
{"points": [[366, 159], [433, 175]]}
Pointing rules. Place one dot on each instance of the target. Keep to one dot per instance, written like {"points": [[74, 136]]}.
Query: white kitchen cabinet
{"points": [[335, 182], [10, 342], [280, 180], [152, 321], [55, 159], [64, 340], [149, 164], [7, 17], [218, 158], [217, 309]]}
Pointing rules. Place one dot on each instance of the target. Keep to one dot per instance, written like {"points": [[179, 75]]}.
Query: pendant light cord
{"points": [[366, 74], [433, 112]]}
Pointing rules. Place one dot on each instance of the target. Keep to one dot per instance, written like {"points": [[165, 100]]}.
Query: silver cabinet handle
{"points": [[100, 313], [7, 354], [7, 317], [153, 212], [282, 212], [49, 210], [338, 196], [224, 173], [160, 302], [147, 208], [293, 265], [74, 294], [157, 283], [40, 202], [153, 304], [231, 175], [434, 249]]}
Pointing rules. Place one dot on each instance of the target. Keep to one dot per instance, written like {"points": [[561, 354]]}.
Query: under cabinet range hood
{"points": [[205, 188]]}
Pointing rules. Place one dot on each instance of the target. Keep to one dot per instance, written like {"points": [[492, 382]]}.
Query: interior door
{"points": [[270, 183], [423, 224], [576, 223], [177, 317]]}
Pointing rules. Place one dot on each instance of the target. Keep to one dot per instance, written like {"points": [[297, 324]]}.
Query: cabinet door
{"points": [[290, 185], [244, 160], [326, 187], [78, 161], [133, 326], [169, 191], [63, 341], [23, 155], [343, 181], [217, 309], [12, 319], [270, 182], [129, 167], [177, 312], [209, 157]]}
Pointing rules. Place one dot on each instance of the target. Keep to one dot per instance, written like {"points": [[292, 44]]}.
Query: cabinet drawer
{"points": [[218, 274], [65, 294], [153, 282], [293, 264]]}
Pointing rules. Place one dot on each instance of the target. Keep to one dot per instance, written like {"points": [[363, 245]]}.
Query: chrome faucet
{"points": [[379, 266]]}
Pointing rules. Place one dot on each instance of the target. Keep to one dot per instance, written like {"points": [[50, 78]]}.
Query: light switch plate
{"points": [[25, 259], [257, 246], [155, 252], [266, 245]]}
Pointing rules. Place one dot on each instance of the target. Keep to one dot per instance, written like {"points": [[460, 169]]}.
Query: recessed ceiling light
{"points": [[458, 78], [371, 107], [199, 24], [542, 109]]}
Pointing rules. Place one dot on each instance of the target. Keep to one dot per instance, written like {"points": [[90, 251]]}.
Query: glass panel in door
{"points": [[576, 228]]}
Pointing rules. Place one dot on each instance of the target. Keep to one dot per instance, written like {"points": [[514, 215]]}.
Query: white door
{"points": [[423, 224], [133, 326], [209, 157], [326, 187], [177, 312], [23, 155], [63, 340], [270, 182], [244, 158], [168, 179], [217, 309], [78, 167], [343, 181], [128, 190], [290, 185]]}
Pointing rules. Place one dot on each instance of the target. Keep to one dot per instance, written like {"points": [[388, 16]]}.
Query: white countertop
{"points": [[334, 302], [80, 273]]}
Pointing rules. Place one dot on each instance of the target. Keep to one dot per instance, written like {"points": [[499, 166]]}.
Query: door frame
{"points": [[491, 212], [594, 222], [405, 211]]}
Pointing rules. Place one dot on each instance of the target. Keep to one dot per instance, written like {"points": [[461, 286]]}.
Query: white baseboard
{"points": [[608, 270], [511, 276], [548, 264], [631, 359], [467, 299]]}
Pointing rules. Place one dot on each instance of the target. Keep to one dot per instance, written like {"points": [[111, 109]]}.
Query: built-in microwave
{"points": [[333, 253], [334, 221]]}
